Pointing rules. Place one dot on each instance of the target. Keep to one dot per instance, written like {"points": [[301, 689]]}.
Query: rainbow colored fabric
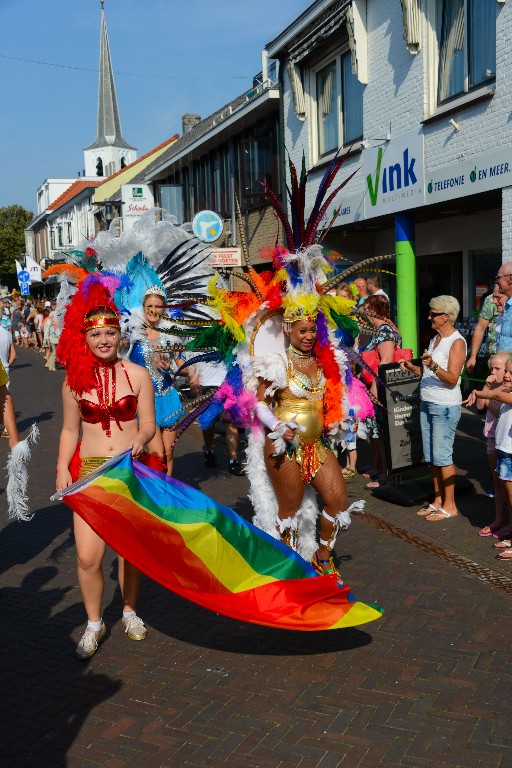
{"points": [[205, 552]]}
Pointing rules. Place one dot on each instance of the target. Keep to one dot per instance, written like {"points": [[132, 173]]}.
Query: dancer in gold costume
{"points": [[295, 451]]}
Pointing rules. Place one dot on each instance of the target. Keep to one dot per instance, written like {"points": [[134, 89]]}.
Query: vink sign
{"points": [[394, 175]]}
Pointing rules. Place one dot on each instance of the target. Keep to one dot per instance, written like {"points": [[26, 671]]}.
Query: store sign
{"points": [[137, 200], [394, 175], [478, 174], [351, 209], [225, 257]]}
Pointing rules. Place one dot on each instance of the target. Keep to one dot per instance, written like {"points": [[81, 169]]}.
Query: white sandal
{"points": [[426, 509], [444, 515]]}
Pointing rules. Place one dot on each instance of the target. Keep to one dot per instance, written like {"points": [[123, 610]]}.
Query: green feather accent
{"points": [[217, 337], [346, 322], [174, 331]]}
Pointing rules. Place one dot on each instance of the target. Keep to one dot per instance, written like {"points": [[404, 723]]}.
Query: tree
{"points": [[13, 220]]}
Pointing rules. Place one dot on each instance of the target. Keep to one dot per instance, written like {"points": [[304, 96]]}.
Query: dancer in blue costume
{"points": [[147, 351]]}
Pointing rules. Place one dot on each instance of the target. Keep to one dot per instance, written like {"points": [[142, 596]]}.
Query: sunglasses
{"points": [[435, 314]]}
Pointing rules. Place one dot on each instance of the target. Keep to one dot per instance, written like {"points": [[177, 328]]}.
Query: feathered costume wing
{"points": [[295, 282]]}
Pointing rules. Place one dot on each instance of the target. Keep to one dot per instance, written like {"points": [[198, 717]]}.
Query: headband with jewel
{"points": [[101, 317]]}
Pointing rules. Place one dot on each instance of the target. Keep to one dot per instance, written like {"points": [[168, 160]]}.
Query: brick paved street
{"points": [[427, 686]]}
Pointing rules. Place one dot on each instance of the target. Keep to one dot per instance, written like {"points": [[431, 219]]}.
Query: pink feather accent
{"points": [[358, 397], [240, 406]]}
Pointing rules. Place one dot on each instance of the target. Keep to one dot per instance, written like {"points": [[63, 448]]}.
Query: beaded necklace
{"points": [[300, 359]]}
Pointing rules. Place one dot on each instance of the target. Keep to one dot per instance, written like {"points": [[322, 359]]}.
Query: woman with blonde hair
{"points": [[440, 405]]}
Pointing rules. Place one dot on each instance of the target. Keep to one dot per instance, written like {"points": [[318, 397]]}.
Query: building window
{"points": [[257, 165], [338, 102], [171, 200], [327, 109], [466, 34], [99, 167]]}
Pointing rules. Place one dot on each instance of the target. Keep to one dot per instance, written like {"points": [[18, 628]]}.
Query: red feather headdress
{"points": [[72, 350]]}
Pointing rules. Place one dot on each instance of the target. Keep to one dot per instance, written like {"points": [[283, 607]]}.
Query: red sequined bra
{"points": [[107, 408]]}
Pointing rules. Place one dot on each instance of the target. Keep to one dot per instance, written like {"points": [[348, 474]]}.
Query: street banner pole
{"points": [[406, 281]]}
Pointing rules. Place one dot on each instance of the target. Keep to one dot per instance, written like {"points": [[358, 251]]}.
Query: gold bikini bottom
{"points": [[311, 452], [90, 463]]}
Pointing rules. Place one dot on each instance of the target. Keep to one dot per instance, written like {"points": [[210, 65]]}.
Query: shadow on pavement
{"points": [[48, 693], [21, 542], [24, 424]]}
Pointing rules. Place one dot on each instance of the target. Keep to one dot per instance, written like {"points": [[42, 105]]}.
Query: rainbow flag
{"points": [[205, 552]]}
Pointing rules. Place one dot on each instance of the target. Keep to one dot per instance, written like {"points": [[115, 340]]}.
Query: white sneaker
{"points": [[88, 645], [134, 628]]}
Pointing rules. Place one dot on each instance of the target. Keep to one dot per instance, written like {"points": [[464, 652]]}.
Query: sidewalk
{"points": [[427, 686], [457, 537]]}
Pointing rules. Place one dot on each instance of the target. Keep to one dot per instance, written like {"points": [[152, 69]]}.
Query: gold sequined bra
{"points": [[301, 385]]}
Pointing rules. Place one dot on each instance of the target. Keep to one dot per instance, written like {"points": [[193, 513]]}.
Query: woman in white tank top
{"points": [[440, 405]]}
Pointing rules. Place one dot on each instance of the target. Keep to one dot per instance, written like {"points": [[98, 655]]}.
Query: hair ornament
{"points": [[154, 290]]}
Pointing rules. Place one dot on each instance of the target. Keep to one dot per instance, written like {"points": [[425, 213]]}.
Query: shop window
{"points": [[337, 98], [466, 46]]}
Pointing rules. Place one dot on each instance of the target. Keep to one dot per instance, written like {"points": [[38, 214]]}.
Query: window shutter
{"points": [[357, 39], [299, 102]]}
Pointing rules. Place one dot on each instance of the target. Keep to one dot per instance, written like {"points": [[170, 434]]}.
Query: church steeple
{"points": [[109, 151]]}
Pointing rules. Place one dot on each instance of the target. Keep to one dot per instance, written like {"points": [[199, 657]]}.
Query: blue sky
{"points": [[169, 57]]}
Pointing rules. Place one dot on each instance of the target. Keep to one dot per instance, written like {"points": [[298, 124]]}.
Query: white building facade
{"points": [[420, 89]]}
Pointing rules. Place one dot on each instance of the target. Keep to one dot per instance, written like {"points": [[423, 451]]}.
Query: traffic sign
{"points": [[207, 226], [25, 289], [23, 276]]}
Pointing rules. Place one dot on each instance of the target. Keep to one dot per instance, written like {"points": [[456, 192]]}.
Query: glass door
{"points": [[436, 275]]}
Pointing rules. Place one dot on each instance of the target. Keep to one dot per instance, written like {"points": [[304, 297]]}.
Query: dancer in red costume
{"points": [[111, 402]]}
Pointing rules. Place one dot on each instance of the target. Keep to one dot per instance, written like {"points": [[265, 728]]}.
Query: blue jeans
{"points": [[438, 425]]}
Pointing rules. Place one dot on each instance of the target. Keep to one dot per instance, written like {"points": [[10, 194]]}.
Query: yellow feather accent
{"points": [[339, 304], [221, 301], [299, 306]]}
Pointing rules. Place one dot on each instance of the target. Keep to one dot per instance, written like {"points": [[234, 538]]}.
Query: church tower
{"points": [[109, 152]]}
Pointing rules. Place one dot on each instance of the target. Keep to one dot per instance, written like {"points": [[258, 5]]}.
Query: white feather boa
{"points": [[272, 369], [17, 477]]}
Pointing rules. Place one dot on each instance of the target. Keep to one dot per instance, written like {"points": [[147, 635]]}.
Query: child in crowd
{"points": [[503, 442], [494, 382], [25, 335]]}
